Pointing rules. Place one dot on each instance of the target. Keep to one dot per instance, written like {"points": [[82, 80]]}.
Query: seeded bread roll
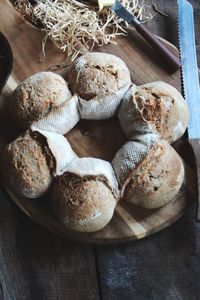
{"points": [[157, 179], [37, 96], [100, 80], [26, 165], [84, 204], [161, 105]]}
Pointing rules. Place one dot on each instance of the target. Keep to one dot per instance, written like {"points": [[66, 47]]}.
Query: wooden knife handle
{"points": [[170, 59], [195, 143]]}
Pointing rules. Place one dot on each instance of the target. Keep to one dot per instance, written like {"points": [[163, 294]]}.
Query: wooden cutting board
{"points": [[100, 139]]}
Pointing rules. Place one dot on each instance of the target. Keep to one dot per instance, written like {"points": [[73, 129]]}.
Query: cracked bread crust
{"points": [[98, 73], [27, 164], [84, 204], [164, 108], [37, 96], [157, 179]]}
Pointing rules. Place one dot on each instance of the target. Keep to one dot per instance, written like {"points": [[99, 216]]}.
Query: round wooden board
{"points": [[99, 139]]}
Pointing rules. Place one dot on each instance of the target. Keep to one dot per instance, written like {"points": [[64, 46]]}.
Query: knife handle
{"points": [[195, 143], [170, 58]]}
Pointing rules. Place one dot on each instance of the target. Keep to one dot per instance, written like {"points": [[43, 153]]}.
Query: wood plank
{"points": [[165, 265], [165, 27], [197, 29], [35, 264]]}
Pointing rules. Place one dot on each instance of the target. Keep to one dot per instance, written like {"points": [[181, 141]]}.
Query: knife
{"points": [[190, 80], [170, 59]]}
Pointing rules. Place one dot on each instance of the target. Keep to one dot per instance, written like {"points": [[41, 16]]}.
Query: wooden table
{"points": [[35, 264]]}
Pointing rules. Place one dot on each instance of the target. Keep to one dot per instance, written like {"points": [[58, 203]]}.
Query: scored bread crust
{"points": [[26, 165], [94, 74], [84, 204], [100, 81], [157, 179], [37, 96], [34, 158], [161, 105], [167, 113]]}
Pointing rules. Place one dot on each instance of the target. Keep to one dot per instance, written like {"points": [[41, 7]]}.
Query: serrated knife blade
{"points": [[190, 79]]}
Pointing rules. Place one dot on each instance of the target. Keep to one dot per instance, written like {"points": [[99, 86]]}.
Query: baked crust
{"points": [[26, 165], [85, 192], [37, 96], [160, 105], [157, 179], [84, 204], [96, 74]]}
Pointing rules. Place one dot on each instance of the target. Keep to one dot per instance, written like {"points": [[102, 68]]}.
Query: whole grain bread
{"points": [[97, 73], [84, 204], [161, 105], [157, 179], [26, 165], [100, 80], [37, 96]]}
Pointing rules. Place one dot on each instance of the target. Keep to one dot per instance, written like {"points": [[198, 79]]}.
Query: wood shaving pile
{"points": [[78, 26]]}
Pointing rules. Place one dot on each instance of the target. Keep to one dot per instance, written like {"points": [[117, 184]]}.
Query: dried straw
{"points": [[70, 23]]}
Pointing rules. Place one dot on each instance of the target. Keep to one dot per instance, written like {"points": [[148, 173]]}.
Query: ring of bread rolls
{"points": [[146, 171]]}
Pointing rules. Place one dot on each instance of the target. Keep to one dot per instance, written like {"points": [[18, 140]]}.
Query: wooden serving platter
{"points": [[100, 139]]}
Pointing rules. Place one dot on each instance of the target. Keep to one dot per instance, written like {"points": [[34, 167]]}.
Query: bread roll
{"points": [[29, 163], [157, 179], [85, 196], [26, 165], [100, 80], [161, 105], [131, 154], [89, 166], [84, 204], [36, 96], [97, 73]]}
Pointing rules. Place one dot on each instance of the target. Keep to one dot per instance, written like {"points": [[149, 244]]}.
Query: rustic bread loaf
{"points": [[100, 80], [84, 204], [84, 197], [89, 166], [36, 96], [131, 154], [160, 104], [157, 179], [29, 163]]}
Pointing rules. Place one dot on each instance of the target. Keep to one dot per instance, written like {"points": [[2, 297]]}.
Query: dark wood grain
{"points": [[6, 60], [196, 6], [195, 143], [161, 50], [165, 26], [164, 266], [35, 264]]}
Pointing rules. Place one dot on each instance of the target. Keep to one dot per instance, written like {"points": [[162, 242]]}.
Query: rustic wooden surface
{"points": [[103, 139], [35, 264]]}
